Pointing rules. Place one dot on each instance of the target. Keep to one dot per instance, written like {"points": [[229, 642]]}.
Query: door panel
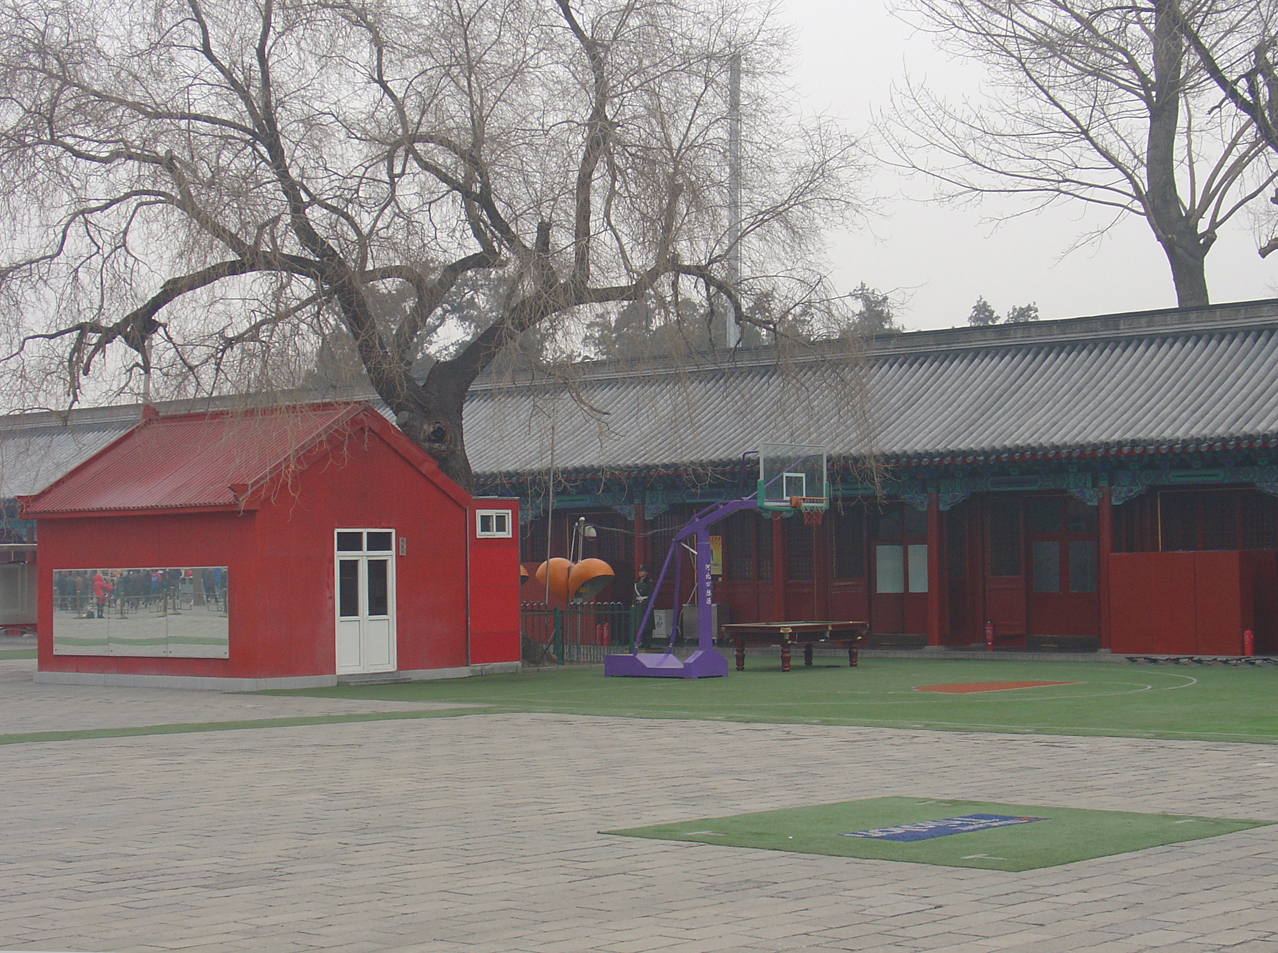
{"points": [[365, 624], [849, 600], [888, 602], [1064, 597], [1005, 602]]}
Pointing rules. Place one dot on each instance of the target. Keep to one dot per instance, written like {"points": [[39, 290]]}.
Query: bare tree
{"points": [[208, 190], [1095, 102], [1241, 64]]}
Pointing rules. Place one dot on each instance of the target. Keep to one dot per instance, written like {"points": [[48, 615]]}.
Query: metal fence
{"points": [[584, 633]]}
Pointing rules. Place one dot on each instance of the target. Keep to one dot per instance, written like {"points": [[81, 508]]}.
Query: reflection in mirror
{"points": [[177, 612]]}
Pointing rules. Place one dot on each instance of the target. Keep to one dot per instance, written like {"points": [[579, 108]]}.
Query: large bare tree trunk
{"points": [[1189, 271], [1185, 248], [431, 416]]}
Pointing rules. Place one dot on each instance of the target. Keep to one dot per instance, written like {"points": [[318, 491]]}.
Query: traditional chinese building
{"points": [[1104, 482]]}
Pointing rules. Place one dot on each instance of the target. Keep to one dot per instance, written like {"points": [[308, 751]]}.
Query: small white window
{"points": [[492, 523]]}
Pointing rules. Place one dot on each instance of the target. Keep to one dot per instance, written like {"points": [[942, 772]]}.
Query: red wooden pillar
{"points": [[977, 565], [821, 567], [641, 541], [1104, 546], [780, 570], [936, 575]]}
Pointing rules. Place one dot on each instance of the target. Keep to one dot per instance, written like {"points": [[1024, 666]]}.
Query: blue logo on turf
{"points": [[944, 827]]}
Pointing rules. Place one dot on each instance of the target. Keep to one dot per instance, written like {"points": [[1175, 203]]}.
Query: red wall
{"points": [[281, 568], [376, 488], [494, 589], [206, 539], [1192, 603]]}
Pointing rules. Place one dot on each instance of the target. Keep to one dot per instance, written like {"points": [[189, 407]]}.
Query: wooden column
{"points": [[641, 555], [1104, 547], [780, 570], [821, 567], [977, 566], [936, 574]]}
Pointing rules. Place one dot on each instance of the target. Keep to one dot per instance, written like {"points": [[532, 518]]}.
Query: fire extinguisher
{"points": [[1249, 642], [989, 636]]}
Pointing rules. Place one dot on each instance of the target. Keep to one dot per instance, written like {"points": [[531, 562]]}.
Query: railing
{"points": [[584, 633]]}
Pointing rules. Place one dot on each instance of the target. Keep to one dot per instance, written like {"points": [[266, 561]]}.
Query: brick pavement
{"points": [[479, 834]]}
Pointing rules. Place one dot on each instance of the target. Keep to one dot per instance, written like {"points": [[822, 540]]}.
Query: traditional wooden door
{"points": [[1063, 598], [1005, 604], [898, 555]]}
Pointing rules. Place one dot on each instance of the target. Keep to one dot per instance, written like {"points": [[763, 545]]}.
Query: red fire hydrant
{"points": [[1249, 642], [989, 636]]}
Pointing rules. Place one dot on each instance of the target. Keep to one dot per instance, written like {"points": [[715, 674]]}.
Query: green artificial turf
{"points": [[1057, 836], [1208, 702]]}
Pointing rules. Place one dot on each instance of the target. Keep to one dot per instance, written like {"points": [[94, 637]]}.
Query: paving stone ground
{"points": [[479, 833]]}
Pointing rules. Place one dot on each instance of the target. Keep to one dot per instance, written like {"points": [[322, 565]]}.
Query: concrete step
{"points": [[374, 678]]}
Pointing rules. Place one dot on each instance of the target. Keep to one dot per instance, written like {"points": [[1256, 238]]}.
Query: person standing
{"points": [[100, 589], [643, 595]]}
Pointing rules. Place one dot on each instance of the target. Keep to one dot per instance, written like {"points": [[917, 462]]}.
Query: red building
{"points": [[1091, 484], [288, 547]]}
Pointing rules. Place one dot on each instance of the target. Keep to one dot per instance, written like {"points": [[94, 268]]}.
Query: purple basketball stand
{"points": [[705, 662], [791, 479]]}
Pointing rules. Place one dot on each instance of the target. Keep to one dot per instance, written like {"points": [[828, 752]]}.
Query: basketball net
{"points": [[811, 514]]}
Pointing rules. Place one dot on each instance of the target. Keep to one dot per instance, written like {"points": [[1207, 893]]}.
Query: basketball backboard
{"points": [[792, 477]]}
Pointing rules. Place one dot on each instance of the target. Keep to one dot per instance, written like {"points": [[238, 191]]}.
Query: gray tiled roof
{"points": [[1145, 382], [1135, 383], [33, 457]]}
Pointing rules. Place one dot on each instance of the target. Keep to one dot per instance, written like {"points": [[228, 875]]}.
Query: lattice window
{"points": [[798, 550], [738, 546], [1005, 537], [1219, 520], [763, 548], [848, 537], [532, 540], [1259, 518]]}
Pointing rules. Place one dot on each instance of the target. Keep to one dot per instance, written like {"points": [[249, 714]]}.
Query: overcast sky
{"points": [[943, 258]]}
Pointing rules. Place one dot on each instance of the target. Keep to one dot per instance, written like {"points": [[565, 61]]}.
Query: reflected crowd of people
{"points": [[97, 593]]}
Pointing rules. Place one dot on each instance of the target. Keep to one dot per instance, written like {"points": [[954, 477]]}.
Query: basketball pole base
{"points": [[703, 663]]}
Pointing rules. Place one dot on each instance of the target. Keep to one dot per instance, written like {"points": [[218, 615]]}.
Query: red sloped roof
{"points": [[196, 460]]}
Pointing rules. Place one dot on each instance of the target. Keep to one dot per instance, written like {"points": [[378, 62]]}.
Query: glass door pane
{"points": [[889, 568], [917, 555], [1046, 555], [1082, 566], [378, 590], [348, 588]]}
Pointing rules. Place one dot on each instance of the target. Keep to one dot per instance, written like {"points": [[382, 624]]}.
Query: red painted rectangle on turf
{"points": [[968, 688]]}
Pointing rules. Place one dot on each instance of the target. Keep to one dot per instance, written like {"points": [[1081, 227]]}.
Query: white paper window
{"points": [[492, 523]]}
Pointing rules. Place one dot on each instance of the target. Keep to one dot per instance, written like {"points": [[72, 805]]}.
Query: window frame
{"points": [[497, 516]]}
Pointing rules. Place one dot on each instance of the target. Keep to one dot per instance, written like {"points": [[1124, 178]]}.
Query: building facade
{"points": [[1045, 480]]}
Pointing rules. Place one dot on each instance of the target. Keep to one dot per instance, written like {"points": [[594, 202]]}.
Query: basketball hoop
{"points": [[812, 508]]}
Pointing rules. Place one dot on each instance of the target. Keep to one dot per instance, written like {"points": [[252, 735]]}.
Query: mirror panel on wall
{"points": [[174, 612]]}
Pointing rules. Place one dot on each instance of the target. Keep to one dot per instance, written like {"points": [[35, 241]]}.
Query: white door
{"points": [[365, 586]]}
